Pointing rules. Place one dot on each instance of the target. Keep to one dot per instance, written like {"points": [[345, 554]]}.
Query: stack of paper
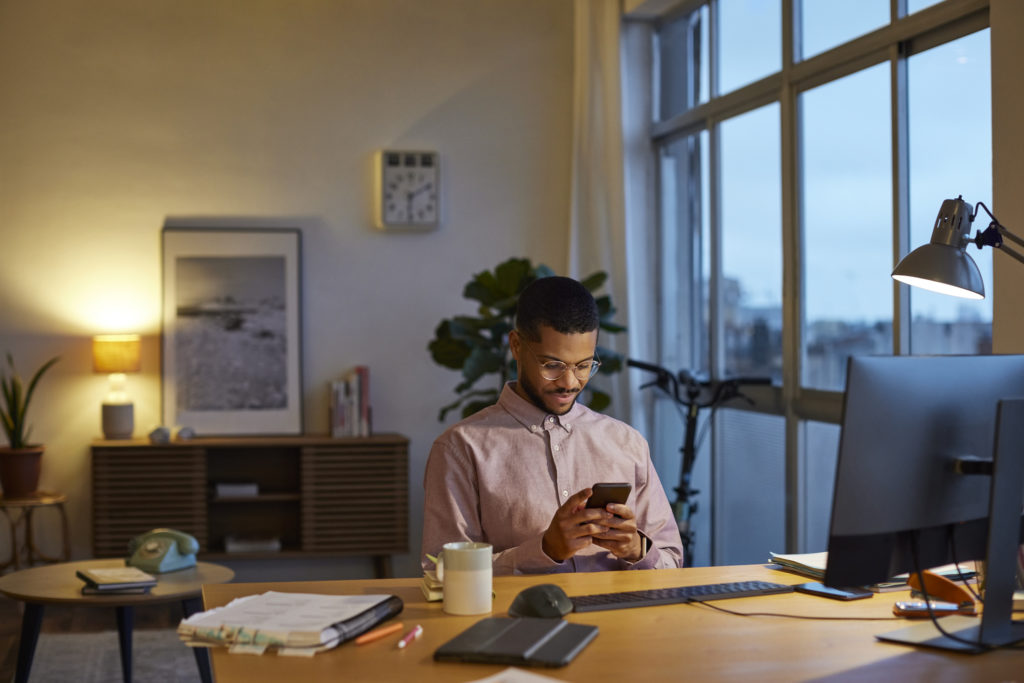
{"points": [[287, 623], [813, 565]]}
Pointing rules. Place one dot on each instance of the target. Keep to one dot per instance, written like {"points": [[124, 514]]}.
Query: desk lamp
{"points": [[116, 354], [943, 264]]}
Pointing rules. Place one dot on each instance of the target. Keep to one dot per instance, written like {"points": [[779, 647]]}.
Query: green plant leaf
{"points": [[481, 361], [599, 400], [594, 281], [513, 275], [450, 353]]}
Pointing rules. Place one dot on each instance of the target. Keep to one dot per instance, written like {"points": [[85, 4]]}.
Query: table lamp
{"points": [[116, 354], [943, 264]]}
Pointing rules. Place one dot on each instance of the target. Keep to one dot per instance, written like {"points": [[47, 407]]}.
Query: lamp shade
{"points": [[943, 265], [943, 269], [115, 353]]}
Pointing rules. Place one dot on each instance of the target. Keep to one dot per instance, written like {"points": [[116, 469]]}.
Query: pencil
{"points": [[379, 633]]}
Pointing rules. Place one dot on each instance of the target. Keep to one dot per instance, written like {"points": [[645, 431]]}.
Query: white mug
{"points": [[464, 567]]}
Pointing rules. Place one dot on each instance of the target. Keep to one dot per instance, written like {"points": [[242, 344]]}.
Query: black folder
{"points": [[523, 641]]}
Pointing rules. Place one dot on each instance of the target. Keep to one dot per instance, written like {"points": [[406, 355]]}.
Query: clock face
{"points": [[409, 189]]}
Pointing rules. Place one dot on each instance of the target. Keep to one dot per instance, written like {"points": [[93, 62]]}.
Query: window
{"points": [[790, 176]]}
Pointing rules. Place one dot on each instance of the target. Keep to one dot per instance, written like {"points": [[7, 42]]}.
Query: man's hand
{"points": [[573, 527], [622, 538]]}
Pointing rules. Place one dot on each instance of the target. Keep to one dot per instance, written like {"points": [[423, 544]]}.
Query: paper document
{"points": [[286, 620]]}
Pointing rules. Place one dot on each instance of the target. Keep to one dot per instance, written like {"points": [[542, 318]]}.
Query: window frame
{"points": [[904, 36]]}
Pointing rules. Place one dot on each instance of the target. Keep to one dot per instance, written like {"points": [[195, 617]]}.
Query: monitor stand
{"points": [[965, 628], [1000, 578]]}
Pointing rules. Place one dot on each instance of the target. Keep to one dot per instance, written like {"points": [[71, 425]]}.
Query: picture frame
{"points": [[231, 342]]}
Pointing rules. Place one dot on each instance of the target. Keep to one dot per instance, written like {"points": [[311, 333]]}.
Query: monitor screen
{"points": [[906, 419]]}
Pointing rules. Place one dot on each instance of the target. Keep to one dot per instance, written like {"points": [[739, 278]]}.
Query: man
{"points": [[518, 474]]}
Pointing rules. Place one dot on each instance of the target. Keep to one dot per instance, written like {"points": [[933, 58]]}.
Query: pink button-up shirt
{"points": [[499, 476]]}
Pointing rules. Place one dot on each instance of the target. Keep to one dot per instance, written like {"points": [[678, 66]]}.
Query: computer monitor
{"points": [[911, 426]]}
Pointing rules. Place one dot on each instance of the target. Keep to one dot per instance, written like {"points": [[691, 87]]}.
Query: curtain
{"points": [[612, 185]]}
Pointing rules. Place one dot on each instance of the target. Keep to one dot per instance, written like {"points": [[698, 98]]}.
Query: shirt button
{"points": [[565, 494], [534, 428], [555, 447], [551, 418]]}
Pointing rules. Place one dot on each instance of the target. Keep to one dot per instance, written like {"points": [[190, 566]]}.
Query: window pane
{"points": [[819, 450], [918, 5], [750, 42], [682, 64], [750, 501], [950, 154], [752, 244], [683, 168], [847, 224], [828, 23]]}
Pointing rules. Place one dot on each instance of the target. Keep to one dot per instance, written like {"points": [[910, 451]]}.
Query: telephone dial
{"points": [[163, 550]]}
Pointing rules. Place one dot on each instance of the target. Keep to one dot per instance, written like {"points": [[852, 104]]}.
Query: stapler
{"points": [[951, 597]]}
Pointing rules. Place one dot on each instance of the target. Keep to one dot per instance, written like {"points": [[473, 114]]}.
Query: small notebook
{"points": [[523, 641]]}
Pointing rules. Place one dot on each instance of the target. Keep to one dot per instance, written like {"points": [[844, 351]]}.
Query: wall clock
{"points": [[408, 189]]}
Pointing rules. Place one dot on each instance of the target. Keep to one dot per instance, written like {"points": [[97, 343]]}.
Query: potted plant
{"points": [[478, 346], [20, 460]]}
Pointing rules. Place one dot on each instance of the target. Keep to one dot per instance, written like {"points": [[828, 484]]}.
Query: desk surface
{"points": [[58, 584], [672, 642]]}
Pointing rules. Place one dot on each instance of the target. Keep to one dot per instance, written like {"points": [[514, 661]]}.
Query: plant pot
{"points": [[19, 471]]}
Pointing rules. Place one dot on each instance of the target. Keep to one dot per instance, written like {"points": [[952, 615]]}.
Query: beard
{"points": [[537, 398]]}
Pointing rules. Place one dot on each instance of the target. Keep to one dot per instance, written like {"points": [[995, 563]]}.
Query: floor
{"points": [[60, 619]]}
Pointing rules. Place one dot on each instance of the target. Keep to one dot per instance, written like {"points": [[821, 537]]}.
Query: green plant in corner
{"points": [[16, 399], [478, 346]]}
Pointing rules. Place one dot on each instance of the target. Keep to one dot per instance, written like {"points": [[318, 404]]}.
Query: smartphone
{"points": [[918, 608], [815, 588], [605, 493]]}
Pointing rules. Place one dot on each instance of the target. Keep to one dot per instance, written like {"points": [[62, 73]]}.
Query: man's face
{"points": [[552, 396]]}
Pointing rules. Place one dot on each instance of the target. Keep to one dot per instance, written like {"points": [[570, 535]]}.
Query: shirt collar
{"points": [[532, 417]]}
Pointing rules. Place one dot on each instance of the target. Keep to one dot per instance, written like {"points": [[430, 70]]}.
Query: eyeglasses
{"points": [[554, 369]]}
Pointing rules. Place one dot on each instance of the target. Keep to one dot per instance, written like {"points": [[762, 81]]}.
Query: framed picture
{"points": [[231, 331]]}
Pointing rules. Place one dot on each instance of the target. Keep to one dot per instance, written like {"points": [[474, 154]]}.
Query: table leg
{"points": [[11, 523], [202, 654], [382, 566], [125, 622], [30, 623]]}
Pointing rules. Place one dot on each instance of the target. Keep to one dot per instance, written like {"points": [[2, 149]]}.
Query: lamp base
{"points": [[118, 420]]}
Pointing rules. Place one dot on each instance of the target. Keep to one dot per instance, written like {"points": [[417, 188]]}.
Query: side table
{"points": [[57, 584], [18, 512]]}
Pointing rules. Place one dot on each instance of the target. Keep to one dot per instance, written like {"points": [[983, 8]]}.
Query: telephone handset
{"points": [[163, 550]]}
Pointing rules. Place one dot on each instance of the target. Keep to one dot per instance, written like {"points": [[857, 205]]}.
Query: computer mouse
{"points": [[543, 600]]}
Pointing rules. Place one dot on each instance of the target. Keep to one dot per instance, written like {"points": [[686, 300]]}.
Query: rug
{"points": [[157, 657]]}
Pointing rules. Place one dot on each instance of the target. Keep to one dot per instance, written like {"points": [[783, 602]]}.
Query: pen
{"points": [[378, 633], [412, 635]]}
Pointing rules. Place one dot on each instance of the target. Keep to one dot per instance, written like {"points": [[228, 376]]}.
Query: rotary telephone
{"points": [[163, 550]]}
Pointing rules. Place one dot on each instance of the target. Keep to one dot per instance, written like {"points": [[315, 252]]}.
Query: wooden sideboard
{"points": [[316, 495]]}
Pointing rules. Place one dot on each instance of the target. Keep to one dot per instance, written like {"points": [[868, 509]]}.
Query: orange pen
{"points": [[378, 633]]}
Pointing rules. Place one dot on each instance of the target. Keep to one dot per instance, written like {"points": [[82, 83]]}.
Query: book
{"points": [[89, 589], [349, 404], [288, 623], [433, 589], [116, 578]]}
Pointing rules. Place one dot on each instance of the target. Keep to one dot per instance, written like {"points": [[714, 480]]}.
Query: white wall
{"points": [[120, 117]]}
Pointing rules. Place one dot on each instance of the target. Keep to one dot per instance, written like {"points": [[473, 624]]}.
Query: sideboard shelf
{"points": [[318, 496]]}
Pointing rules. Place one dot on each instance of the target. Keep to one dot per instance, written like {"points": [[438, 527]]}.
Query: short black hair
{"points": [[558, 302]]}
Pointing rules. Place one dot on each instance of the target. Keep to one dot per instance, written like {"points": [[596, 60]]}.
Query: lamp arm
{"points": [[993, 235]]}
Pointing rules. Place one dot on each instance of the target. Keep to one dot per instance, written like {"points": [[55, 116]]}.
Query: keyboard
{"points": [[669, 596]]}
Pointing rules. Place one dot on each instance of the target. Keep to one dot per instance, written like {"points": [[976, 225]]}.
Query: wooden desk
{"points": [[673, 642], [58, 584]]}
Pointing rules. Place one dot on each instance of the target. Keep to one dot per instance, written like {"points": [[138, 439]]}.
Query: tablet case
{"points": [[523, 641]]}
